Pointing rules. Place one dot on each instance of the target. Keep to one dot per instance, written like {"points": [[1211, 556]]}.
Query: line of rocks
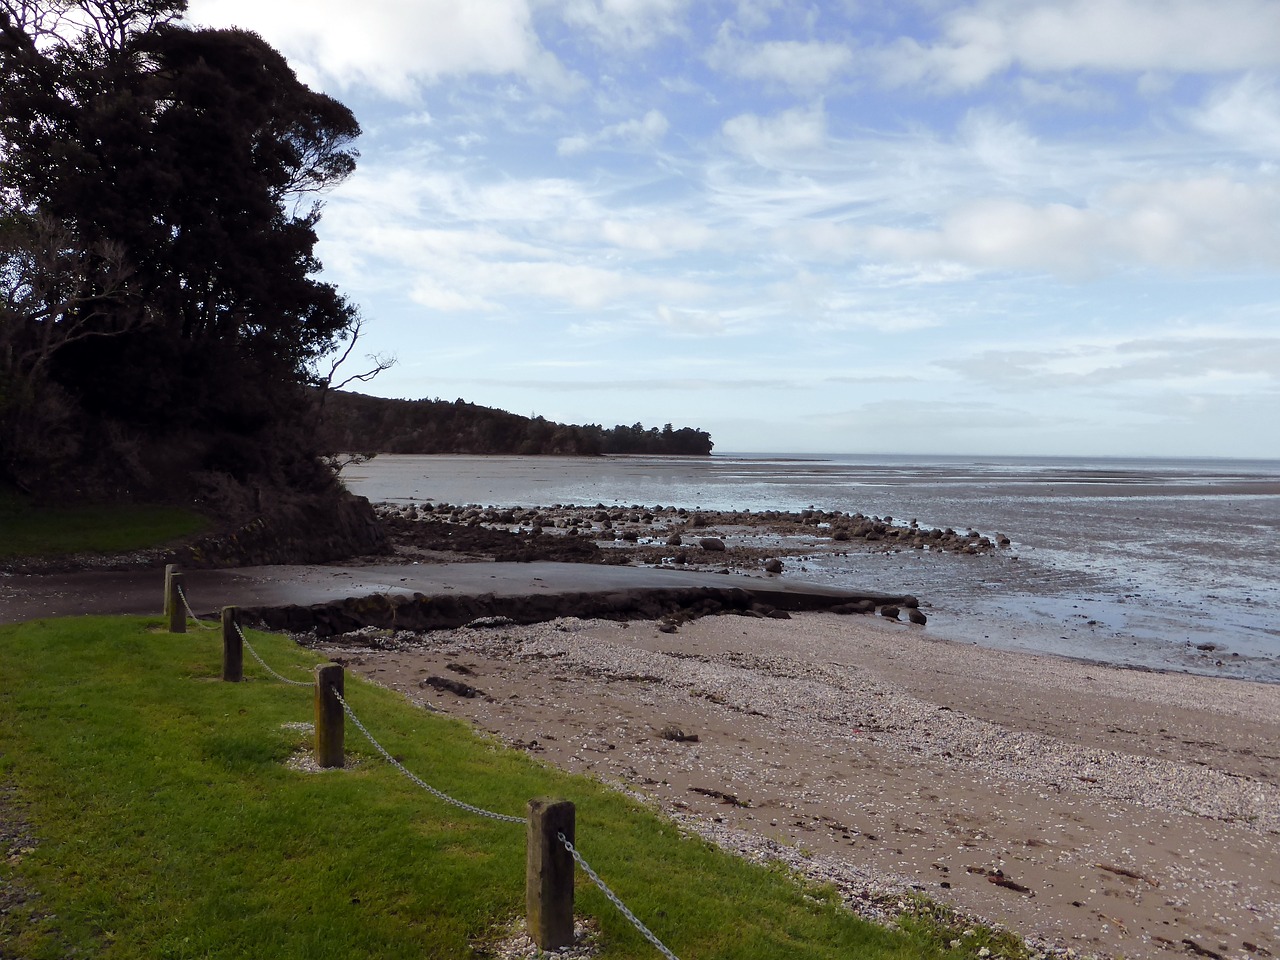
{"points": [[684, 529]]}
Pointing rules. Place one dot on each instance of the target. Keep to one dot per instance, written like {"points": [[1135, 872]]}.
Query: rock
{"points": [[857, 606], [773, 565], [714, 544], [676, 735], [915, 616], [890, 612], [452, 686], [674, 540]]}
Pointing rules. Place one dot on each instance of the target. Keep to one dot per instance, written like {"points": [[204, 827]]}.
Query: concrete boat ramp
{"points": [[335, 599]]}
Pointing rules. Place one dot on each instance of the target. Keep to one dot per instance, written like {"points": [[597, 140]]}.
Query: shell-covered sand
{"points": [[1108, 811]]}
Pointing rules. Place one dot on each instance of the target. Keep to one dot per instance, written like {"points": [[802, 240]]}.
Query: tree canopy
{"points": [[158, 208], [357, 423]]}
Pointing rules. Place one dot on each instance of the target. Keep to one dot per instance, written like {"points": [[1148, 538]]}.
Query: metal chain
{"points": [[470, 808], [416, 779], [595, 878], [262, 663], [190, 613]]}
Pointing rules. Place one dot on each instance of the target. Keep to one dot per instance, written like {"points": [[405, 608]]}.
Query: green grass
{"points": [[30, 530], [169, 826]]}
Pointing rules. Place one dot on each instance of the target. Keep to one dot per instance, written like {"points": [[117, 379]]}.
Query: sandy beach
{"points": [[1104, 811]]}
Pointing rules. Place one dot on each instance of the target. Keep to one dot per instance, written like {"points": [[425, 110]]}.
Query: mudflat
{"points": [[1103, 810]]}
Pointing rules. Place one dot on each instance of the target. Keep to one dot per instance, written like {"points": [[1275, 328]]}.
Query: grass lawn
{"points": [[167, 825], [28, 530]]}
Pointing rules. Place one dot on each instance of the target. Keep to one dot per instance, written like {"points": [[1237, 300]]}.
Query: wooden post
{"points": [[169, 570], [175, 607], [329, 732], [232, 647], [548, 887]]}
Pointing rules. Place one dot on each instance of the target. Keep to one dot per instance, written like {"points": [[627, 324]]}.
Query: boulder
{"points": [[890, 611], [773, 565], [714, 544]]}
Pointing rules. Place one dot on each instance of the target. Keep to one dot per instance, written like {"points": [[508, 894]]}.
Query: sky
{"points": [[1018, 227]]}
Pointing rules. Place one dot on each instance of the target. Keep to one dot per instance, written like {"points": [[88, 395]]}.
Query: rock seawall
{"points": [[419, 612], [305, 530]]}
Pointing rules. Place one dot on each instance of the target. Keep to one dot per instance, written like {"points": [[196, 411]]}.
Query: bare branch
{"points": [[381, 361]]}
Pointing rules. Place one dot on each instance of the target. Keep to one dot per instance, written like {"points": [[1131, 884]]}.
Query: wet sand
{"points": [[1133, 561], [1109, 811]]}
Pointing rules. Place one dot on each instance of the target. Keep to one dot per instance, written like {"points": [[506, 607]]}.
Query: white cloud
{"points": [[1207, 222], [763, 138], [1002, 146], [427, 293], [656, 235], [691, 323], [802, 65], [390, 46], [1129, 36], [1208, 363], [624, 24], [844, 314], [1069, 93], [1211, 222], [1246, 112], [755, 14], [642, 131]]}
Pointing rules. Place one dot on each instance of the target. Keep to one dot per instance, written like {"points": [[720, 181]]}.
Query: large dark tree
{"points": [[158, 191]]}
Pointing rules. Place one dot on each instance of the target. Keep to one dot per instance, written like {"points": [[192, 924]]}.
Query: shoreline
{"points": [[1016, 605], [1132, 562], [1104, 810]]}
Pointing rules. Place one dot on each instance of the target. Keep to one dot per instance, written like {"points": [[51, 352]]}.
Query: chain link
{"points": [[190, 613], [470, 808], [613, 897], [480, 811], [262, 663]]}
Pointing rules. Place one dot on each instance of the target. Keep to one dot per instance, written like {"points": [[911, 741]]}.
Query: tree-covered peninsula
{"points": [[353, 422]]}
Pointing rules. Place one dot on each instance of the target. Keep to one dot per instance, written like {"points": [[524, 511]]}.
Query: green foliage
{"points": [[28, 530], [353, 421], [167, 824], [157, 274]]}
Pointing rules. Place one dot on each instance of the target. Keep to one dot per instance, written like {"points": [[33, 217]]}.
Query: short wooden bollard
{"points": [[169, 570], [232, 646], [549, 874], [175, 607], [329, 732]]}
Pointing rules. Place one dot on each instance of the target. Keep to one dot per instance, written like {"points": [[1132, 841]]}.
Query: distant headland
{"points": [[360, 423]]}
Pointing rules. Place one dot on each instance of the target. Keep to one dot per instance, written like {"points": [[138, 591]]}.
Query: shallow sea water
{"points": [[1137, 562]]}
